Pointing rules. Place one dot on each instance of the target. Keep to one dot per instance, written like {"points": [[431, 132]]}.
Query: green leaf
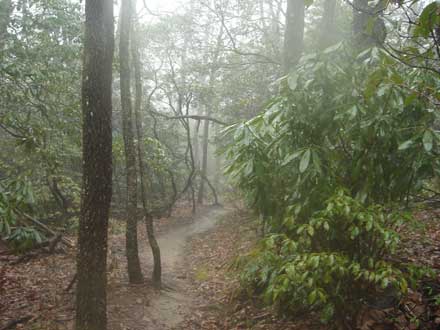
{"points": [[369, 225], [384, 283], [291, 157], [405, 145], [403, 285], [354, 232], [305, 160], [410, 99], [292, 81], [312, 297], [428, 20], [317, 162], [308, 3], [333, 48], [428, 140]]}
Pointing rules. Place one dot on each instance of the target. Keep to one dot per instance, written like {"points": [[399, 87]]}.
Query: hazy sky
{"points": [[160, 5], [157, 7]]}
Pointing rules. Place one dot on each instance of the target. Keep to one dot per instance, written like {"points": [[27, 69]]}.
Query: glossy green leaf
{"points": [[428, 140], [305, 160]]}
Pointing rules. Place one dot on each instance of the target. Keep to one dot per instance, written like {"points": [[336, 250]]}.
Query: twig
{"points": [[50, 231], [13, 323], [72, 282]]}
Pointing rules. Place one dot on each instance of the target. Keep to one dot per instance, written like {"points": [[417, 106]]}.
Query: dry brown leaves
{"points": [[220, 308], [215, 282], [33, 292]]}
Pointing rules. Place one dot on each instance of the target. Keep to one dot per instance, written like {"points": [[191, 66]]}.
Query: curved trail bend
{"points": [[138, 307]]}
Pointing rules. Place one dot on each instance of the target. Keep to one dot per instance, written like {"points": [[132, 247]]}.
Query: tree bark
{"points": [[155, 249], [214, 192], [328, 26], [196, 145], [133, 263], [5, 17], [91, 297], [204, 169], [294, 34], [218, 160], [213, 104], [368, 27]]}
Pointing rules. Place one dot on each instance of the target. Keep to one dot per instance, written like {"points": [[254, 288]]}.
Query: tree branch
{"points": [[195, 117]]}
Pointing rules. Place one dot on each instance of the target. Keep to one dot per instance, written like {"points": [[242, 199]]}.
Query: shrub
{"points": [[332, 263], [346, 142], [364, 123], [16, 197]]}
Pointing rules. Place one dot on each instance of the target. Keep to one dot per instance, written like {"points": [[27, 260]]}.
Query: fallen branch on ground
{"points": [[46, 229], [46, 247], [72, 282], [11, 324]]}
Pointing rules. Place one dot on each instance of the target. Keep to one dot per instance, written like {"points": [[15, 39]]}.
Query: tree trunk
{"points": [[91, 298], [133, 264], [214, 192], [294, 34], [5, 17], [62, 201], [368, 27], [155, 249], [328, 26], [204, 169], [196, 145], [218, 160]]}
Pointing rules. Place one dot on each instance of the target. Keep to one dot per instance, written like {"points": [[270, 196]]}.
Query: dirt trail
{"points": [[139, 307]]}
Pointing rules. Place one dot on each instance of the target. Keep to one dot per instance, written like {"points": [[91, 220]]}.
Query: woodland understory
{"points": [[220, 164], [36, 292]]}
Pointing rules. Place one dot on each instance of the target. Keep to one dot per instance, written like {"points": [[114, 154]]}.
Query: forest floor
{"points": [[139, 307], [201, 290], [33, 293]]}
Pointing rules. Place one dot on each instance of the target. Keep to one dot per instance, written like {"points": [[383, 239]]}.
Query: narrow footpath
{"points": [[140, 307]]}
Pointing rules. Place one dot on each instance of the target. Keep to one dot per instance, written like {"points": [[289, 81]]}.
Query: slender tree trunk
{"points": [[211, 105], [157, 269], [91, 298], [328, 26], [196, 146], [193, 199], [218, 160], [294, 33], [155, 249], [204, 169], [133, 264], [214, 192], [5, 17]]}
